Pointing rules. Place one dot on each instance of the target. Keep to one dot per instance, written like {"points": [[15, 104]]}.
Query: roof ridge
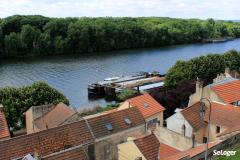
{"points": [[55, 106]]}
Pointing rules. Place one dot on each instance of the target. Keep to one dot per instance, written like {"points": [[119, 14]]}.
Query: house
{"points": [[225, 120], [4, 131], [39, 118], [112, 128], [145, 148], [191, 123], [50, 143], [151, 110], [224, 90]]}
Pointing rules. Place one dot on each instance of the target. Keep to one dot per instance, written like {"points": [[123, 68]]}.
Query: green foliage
{"points": [[235, 157], [17, 100], [38, 35], [204, 67], [98, 109], [126, 94]]}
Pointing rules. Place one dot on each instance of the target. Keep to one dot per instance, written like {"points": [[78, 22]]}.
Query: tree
{"points": [[204, 67], [29, 37], [13, 45], [17, 100]]}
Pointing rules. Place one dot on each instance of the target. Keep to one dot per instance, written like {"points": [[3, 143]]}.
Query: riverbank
{"points": [[39, 36]]}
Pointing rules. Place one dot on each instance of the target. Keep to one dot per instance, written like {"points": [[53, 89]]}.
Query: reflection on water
{"points": [[72, 73]]}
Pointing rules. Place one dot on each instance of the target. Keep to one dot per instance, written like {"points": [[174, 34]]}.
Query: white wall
{"points": [[175, 123]]}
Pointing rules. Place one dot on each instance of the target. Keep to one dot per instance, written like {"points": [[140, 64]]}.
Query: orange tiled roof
{"points": [[116, 119], [47, 142], [78, 153], [150, 147], [191, 152], [224, 114], [146, 104], [4, 132], [55, 117], [228, 92], [192, 115]]}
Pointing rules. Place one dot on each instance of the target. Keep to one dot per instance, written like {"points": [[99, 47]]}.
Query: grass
{"points": [[235, 157]]}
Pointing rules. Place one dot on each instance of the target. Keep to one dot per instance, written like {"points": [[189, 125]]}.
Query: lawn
{"points": [[235, 157]]}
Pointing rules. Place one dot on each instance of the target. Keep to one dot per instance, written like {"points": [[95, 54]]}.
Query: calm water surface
{"points": [[71, 74]]}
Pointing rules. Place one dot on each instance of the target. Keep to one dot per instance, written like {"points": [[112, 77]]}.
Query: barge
{"points": [[109, 87]]}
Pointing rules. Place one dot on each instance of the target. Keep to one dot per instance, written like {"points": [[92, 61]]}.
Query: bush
{"points": [[126, 94], [18, 100], [97, 109]]}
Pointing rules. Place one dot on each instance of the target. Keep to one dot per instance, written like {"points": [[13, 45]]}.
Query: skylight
{"points": [[127, 121], [109, 127], [145, 105]]}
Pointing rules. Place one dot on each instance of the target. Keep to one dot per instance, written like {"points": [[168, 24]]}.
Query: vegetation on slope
{"points": [[17, 100], [38, 35], [204, 67]]}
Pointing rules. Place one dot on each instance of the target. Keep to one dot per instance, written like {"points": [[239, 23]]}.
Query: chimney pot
{"points": [[1, 108]]}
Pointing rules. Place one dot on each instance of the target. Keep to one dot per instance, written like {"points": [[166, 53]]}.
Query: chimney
{"points": [[199, 87], [1, 108]]}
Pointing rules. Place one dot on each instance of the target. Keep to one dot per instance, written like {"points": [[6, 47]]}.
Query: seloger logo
{"points": [[224, 153]]}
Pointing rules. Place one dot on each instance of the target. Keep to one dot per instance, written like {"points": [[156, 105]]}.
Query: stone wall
{"points": [[174, 139], [106, 147]]}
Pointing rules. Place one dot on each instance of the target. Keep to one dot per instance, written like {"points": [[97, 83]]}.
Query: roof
{"points": [[224, 114], [192, 115], [150, 147], [47, 142], [229, 91], [55, 117], [191, 152], [146, 104], [71, 154], [4, 132], [107, 124]]}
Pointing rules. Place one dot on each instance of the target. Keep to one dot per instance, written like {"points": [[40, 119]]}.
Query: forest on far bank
{"points": [[37, 35]]}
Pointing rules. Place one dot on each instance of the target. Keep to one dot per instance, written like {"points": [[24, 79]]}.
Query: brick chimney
{"points": [[1, 108], [199, 87]]}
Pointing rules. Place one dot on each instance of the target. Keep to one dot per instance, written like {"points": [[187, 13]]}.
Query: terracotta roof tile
{"points": [[147, 105], [192, 115], [224, 114], [78, 153], [228, 92], [4, 132], [55, 117], [149, 146], [191, 152], [116, 119], [46, 142]]}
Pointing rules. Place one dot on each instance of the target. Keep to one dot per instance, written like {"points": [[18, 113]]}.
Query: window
{"points": [[127, 121], [204, 139], [218, 129], [109, 127], [183, 129]]}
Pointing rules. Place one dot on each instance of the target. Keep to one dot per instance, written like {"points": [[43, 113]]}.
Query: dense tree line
{"points": [[17, 100], [38, 35], [203, 67]]}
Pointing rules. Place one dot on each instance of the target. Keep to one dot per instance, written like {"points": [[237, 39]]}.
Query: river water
{"points": [[71, 74]]}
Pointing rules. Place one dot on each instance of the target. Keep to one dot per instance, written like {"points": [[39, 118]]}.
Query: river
{"points": [[71, 74]]}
